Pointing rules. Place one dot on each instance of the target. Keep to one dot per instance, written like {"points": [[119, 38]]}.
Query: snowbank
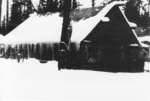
{"points": [[32, 81]]}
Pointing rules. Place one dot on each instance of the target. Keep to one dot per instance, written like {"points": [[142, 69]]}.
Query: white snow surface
{"points": [[32, 81]]}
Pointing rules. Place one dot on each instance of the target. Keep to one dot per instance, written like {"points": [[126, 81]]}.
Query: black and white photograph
{"points": [[74, 50]]}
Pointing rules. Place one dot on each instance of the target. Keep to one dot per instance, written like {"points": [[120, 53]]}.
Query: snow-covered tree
{"points": [[136, 11]]}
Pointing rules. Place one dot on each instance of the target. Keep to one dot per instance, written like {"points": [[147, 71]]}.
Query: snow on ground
{"points": [[32, 81]]}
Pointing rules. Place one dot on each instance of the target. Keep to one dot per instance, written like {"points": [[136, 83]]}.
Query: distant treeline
{"points": [[16, 12], [19, 10], [138, 11], [53, 6]]}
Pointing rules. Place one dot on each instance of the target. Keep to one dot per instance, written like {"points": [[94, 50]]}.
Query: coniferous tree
{"points": [[132, 12], [61, 5], [16, 13], [55, 5], [93, 3], [74, 4], [7, 13], [49, 5], [42, 7], [0, 12], [27, 9]]}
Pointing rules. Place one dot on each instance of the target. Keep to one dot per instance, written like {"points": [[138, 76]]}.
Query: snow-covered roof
{"points": [[48, 28], [131, 24], [82, 28], [1, 36], [36, 29], [144, 38]]}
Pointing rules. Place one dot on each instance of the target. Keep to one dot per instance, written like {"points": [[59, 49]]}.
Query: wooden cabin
{"points": [[107, 43]]}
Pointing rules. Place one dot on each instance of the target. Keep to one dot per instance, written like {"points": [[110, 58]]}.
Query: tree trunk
{"points": [[66, 22], [0, 12], [7, 13], [65, 36], [93, 3]]}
